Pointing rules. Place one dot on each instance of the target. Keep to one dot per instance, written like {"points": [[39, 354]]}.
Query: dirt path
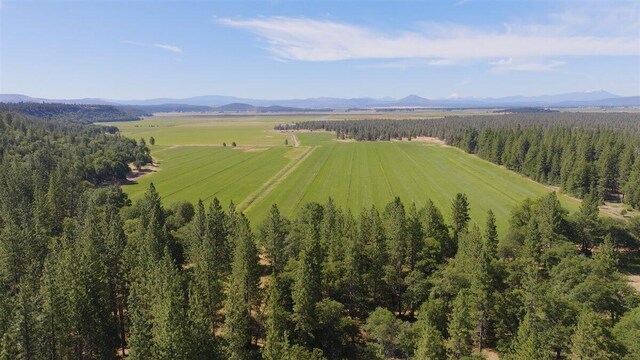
{"points": [[295, 141], [271, 184]]}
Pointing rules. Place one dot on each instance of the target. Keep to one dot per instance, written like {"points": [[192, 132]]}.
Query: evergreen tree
{"points": [[170, 328], [460, 217], [460, 327], [491, 235], [528, 343], [431, 345], [592, 339], [242, 292], [306, 291], [205, 293], [376, 259], [606, 259], [277, 325], [434, 227], [273, 234], [588, 224], [395, 224], [218, 227]]}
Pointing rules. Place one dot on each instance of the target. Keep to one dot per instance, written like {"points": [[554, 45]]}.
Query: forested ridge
{"points": [[583, 153], [73, 113], [86, 274]]}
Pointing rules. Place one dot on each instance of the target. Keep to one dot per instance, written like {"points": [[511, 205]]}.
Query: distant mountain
{"points": [[551, 99], [414, 100], [629, 101], [237, 107], [229, 103]]}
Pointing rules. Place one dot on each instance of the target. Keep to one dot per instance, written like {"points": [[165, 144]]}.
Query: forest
{"points": [[582, 153], [74, 113], [87, 274]]}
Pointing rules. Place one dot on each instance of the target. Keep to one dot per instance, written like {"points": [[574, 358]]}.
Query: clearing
{"points": [[262, 171]]}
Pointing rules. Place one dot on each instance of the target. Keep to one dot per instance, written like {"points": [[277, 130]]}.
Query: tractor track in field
{"points": [[315, 176], [384, 173], [295, 141], [275, 180], [353, 151]]}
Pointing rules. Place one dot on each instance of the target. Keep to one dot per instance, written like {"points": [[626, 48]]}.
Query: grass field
{"points": [[262, 171]]}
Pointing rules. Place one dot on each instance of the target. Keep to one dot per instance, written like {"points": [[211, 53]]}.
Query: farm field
{"points": [[261, 170]]}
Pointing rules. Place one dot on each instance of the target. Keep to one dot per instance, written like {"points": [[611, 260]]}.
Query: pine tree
{"points": [[307, 287], [528, 343], [460, 327], [242, 291], [143, 252], [395, 224], [434, 227], [430, 345], [376, 258], [277, 324], [206, 293], [588, 223], [170, 328], [354, 274], [460, 218], [592, 339], [491, 235], [90, 294], [273, 233], [332, 242], [218, 228], [606, 259]]}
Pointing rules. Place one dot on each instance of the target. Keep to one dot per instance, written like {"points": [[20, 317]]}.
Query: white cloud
{"points": [[507, 65], [170, 48], [413, 63], [305, 39], [173, 49]]}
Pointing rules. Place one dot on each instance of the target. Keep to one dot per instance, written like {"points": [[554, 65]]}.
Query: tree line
{"points": [[583, 153], [74, 113]]}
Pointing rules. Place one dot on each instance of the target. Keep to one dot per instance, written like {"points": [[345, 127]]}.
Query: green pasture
{"points": [[358, 175], [245, 131], [262, 171]]}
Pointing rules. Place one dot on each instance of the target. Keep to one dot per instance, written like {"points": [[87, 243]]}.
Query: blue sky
{"points": [[297, 49]]}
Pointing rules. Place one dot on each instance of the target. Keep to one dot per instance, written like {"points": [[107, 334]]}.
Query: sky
{"points": [[298, 49]]}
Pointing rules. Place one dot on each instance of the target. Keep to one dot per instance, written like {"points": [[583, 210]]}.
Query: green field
{"points": [[262, 171]]}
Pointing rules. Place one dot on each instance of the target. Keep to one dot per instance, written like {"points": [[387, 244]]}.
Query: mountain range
{"points": [[599, 98]]}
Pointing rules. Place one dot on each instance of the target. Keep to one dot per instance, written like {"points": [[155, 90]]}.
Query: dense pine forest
{"points": [[74, 113], [582, 153], [87, 274]]}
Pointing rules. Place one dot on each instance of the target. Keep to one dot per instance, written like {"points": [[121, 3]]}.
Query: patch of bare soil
{"points": [[634, 281], [617, 210], [490, 354], [295, 141], [254, 149], [136, 174], [429, 140]]}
